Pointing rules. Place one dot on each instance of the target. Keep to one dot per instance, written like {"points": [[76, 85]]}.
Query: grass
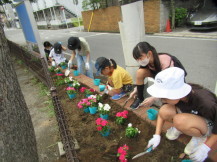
{"points": [[75, 22], [42, 93]]}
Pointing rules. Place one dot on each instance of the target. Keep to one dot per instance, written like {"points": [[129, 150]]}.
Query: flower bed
{"points": [[100, 148]]}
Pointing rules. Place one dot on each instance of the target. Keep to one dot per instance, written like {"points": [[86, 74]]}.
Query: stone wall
{"points": [[107, 19]]}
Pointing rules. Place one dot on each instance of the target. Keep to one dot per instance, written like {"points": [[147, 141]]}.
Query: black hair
{"points": [[47, 44], [109, 63], [144, 47]]}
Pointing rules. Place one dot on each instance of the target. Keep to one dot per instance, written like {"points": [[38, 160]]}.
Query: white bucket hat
{"points": [[170, 84]]}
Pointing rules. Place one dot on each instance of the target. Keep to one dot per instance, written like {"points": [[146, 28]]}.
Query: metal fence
{"points": [[39, 67]]}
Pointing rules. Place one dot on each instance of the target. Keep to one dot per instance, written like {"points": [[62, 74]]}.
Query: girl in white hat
{"points": [[191, 108]]}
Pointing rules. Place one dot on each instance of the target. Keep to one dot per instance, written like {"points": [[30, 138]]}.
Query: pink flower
{"points": [[80, 106], [118, 114], [85, 100], [99, 128], [91, 90], [124, 116], [122, 157], [70, 88], [98, 121], [59, 74], [88, 103], [82, 89], [126, 147], [125, 112], [125, 160], [104, 122]]}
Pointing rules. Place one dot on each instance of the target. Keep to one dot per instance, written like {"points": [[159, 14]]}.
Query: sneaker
{"points": [[173, 133], [136, 103], [193, 144], [118, 96]]}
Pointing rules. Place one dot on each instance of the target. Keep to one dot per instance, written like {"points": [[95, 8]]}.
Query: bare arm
{"points": [[159, 125], [72, 56], [211, 140], [64, 48], [88, 56]]}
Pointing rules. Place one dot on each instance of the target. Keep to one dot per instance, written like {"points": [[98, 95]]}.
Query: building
{"points": [[56, 14]]}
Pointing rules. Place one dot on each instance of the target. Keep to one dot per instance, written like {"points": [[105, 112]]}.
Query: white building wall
{"points": [[42, 4]]}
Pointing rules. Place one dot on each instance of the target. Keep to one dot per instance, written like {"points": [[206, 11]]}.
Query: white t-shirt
{"points": [[57, 57], [84, 47]]}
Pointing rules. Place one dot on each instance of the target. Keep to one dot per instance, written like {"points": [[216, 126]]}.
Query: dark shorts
{"points": [[127, 88]]}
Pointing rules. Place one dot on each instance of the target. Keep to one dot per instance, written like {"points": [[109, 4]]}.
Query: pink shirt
{"points": [[165, 61]]}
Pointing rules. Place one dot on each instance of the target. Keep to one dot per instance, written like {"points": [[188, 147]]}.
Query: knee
{"points": [[179, 121], [141, 74], [167, 112]]}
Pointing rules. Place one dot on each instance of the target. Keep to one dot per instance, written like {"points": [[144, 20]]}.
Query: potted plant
{"points": [[121, 117], [71, 92], [89, 92], [69, 81], [104, 110], [131, 132], [58, 71], [51, 69], [123, 153], [93, 104], [76, 84], [82, 89], [63, 65], [84, 104], [102, 127]]}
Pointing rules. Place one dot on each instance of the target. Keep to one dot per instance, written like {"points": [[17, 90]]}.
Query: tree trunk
{"points": [[17, 136], [172, 14]]}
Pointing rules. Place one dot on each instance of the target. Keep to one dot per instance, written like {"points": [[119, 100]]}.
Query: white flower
{"points": [[107, 107], [70, 78], [93, 96], [139, 131], [73, 84], [130, 125], [100, 105]]}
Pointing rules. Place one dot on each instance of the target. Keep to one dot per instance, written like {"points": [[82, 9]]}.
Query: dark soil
{"points": [[94, 147]]}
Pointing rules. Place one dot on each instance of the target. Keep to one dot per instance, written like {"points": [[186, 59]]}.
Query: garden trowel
{"points": [[148, 150]]}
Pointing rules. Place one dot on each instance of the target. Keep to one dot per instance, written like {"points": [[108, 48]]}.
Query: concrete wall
{"points": [[107, 19]]}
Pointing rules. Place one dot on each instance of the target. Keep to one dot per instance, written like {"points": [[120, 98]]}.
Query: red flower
{"points": [[125, 112], [118, 114], [99, 128], [92, 90], [104, 122]]}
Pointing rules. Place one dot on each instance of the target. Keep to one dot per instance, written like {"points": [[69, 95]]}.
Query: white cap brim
{"points": [[172, 94]]}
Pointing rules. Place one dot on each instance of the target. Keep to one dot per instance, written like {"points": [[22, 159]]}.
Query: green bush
{"points": [[180, 16]]}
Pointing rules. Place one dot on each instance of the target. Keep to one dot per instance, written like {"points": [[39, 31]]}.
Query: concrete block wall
{"points": [[107, 19], [103, 19]]}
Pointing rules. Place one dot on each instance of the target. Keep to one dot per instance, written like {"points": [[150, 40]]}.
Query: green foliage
{"points": [[71, 91], [120, 120], [59, 82], [43, 90], [91, 4], [20, 62], [51, 69], [5, 1], [62, 64], [49, 108], [131, 132], [180, 16]]}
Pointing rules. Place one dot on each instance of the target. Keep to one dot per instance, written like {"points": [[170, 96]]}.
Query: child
{"points": [[56, 53], [80, 48], [118, 78], [47, 48], [151, 63], [191, 108]]}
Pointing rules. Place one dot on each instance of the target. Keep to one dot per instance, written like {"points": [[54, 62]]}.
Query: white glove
{"points": [[87, 66], [69, 64], [106, 91], [154, 142], [132, 94], [200, 154], [53, 63]]}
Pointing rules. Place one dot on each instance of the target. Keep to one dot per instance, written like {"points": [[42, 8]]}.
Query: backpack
{"points": [[176, 61]]}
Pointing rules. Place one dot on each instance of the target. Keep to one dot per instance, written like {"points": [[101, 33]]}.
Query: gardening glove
{"points": [[148, 101], [200, 154], [87, 65], [69, 64], [133, 94], [53, 63], [154, 142]]}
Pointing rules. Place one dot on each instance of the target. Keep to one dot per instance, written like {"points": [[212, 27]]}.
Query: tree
{"points": [[17, 137], [91, 4]]}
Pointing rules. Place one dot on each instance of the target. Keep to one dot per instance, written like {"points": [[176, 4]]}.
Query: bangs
{"points": [[136, 53]]}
